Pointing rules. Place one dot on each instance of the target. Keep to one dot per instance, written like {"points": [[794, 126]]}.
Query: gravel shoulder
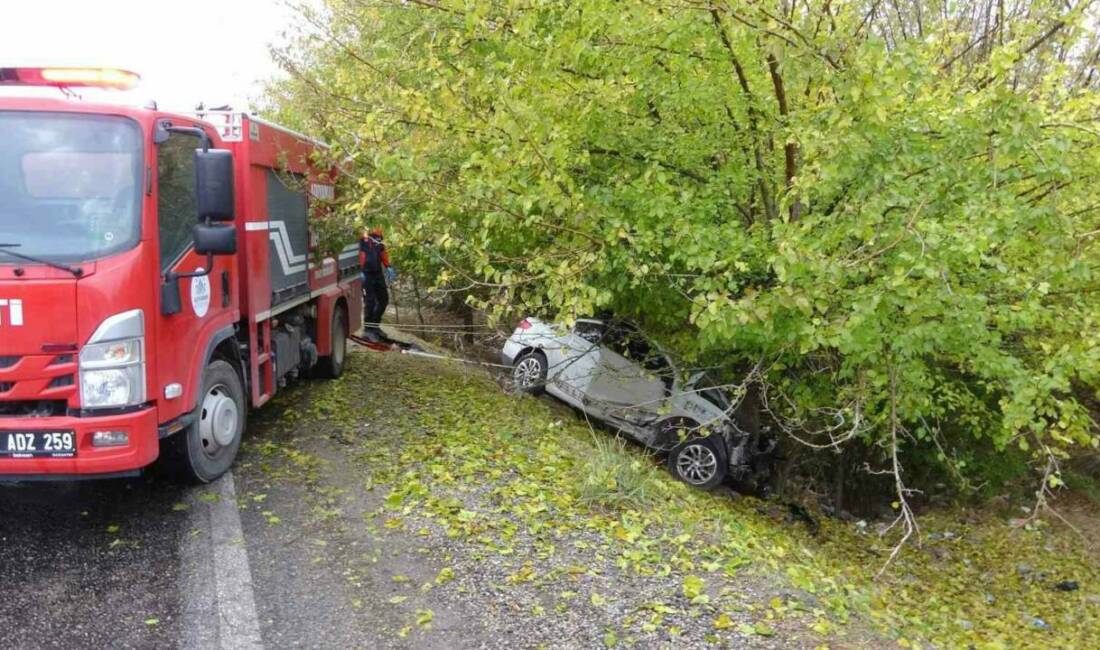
{"points": [[412, 504]]}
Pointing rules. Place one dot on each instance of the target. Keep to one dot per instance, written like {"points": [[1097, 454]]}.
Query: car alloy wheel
{"points": [[696, 464], [528, 372]]}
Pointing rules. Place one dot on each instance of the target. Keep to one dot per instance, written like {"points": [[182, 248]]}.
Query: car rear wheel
{"points": [[206, 449], [698, 462], [529, 372]]}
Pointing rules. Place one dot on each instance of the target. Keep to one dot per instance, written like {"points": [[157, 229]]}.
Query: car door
{"points": [[628, 385], [574, 363]]}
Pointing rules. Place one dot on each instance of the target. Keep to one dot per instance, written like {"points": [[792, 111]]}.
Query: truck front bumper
{"points": [[89, 462]]}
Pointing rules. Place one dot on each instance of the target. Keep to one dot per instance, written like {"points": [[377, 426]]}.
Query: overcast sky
{"points": [[214, 51]]}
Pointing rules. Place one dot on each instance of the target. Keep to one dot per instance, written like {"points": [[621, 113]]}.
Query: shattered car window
{"points": [[591, 331], [626, 340], [709, 391]]}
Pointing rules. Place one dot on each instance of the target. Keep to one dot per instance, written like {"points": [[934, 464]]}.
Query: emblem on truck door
{"points": [[200, 294], [11, 312]]}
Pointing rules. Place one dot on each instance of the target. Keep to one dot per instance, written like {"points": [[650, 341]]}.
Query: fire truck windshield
{"points": [[70, 185]]}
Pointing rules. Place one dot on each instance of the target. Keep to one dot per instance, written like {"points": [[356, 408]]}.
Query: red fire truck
{"points": [[157, 279]]}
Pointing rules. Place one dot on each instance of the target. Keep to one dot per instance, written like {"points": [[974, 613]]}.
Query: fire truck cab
{"points": [[158, 278]]}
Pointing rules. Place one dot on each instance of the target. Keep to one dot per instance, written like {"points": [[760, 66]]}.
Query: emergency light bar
{"points": [[113, 78]]}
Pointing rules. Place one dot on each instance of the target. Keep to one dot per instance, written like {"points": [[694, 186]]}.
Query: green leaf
{"points": [[424, 617], [445, 575], [693, 587]]}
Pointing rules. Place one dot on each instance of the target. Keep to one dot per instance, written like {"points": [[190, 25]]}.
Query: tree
{"points": [[879, 214]]}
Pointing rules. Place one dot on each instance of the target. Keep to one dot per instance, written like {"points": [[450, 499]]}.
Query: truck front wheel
{"points": [[207, 448]]}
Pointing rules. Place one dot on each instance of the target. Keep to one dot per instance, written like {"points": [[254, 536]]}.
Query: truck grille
{"points": [[33, 408], [33, 384], [62, 381]]}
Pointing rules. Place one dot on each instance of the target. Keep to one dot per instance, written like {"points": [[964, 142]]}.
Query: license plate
{"points": [[30, 444]]}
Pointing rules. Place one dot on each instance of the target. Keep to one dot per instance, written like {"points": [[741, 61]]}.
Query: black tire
{"points": [[529, 372], [206, 449], [332, 366], [699, 462]]}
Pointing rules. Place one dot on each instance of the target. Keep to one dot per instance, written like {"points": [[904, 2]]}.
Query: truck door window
{"points": [[176, 196], [288, 213]]}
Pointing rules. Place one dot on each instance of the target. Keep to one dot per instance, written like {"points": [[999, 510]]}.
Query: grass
{"points": [[612, 478], [505, 473]]}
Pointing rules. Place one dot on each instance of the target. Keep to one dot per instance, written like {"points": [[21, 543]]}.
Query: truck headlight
{"points": [[112, 364], [112, 387]]}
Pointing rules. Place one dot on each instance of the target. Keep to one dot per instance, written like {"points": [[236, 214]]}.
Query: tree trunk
{"points": [[468, 321], [839, 477], [416, 293]]}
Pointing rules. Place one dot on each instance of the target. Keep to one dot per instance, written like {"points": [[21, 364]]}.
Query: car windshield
{"points": [[70, 185]]}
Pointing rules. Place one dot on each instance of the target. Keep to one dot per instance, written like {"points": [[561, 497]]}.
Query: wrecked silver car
{"points": [[609, 370]]}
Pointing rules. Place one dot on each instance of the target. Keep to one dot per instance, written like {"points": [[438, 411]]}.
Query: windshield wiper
{"points": [[4, 248]]}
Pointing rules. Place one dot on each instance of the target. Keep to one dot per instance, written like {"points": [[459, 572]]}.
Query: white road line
{"points": [[218, 606]]}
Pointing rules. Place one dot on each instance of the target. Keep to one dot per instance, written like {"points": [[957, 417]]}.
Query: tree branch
{"points": [[790, 148]]}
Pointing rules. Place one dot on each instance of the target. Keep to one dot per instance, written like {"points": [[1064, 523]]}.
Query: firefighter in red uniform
{"points": [[374, 260]]}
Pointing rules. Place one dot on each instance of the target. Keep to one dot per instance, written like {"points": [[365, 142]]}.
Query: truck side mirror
{"points": [[214, 240], [214, 184]]}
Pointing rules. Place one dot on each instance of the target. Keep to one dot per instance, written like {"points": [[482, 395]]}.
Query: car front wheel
{"points": [[698, 462]]}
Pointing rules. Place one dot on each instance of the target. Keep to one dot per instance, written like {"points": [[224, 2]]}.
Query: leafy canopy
{"points": [[886, 213]]}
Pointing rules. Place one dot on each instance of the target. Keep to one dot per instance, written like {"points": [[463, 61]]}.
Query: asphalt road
{"points": [[140, 563], [90, 564]]}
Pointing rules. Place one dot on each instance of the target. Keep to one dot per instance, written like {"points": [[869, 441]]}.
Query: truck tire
{"points": [[332, 366], [206, 449]]}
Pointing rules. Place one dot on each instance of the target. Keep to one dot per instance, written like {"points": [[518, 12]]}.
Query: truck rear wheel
{"points": [[206, 449], [332, 366]]}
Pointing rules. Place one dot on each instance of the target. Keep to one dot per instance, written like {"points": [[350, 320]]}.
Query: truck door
{"points": [[207, 302]]}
